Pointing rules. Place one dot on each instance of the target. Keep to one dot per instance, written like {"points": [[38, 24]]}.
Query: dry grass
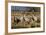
{"points": [[24, 24]]}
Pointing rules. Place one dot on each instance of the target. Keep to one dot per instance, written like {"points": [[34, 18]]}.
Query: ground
{"points": [[25, 24]]}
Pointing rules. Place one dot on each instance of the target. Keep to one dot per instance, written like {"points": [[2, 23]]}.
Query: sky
{"points": [[25, 9]]}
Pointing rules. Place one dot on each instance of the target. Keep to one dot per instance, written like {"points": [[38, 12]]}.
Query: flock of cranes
{"points": [[26, 18]]}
